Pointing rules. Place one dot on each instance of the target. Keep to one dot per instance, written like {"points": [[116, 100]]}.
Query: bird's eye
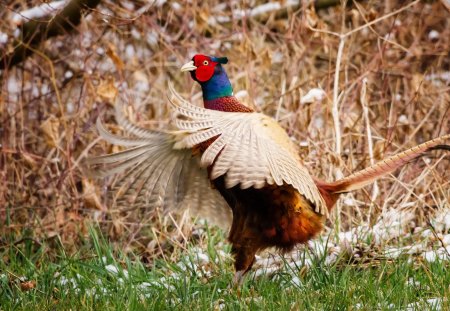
{"points": [[205, 63]]}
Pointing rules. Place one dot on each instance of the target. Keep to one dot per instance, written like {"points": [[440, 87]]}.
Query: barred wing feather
{"points": [[251, 149], [155, 175]]}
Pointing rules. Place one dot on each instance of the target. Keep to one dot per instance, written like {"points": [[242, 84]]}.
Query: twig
{"points": [[335, 107], [433, 229], [280, 101], [363, 99]]}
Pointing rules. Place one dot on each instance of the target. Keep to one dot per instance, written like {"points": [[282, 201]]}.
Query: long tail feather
{"points": [[370, 174]]}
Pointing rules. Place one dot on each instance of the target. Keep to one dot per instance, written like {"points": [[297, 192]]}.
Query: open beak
{"points": [[188, 66]]}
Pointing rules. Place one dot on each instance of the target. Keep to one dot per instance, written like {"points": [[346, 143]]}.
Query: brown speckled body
{"points": [[274, 216]]}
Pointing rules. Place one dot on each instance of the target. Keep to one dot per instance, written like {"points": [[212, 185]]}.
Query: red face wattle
{"points": [[205, 67]]}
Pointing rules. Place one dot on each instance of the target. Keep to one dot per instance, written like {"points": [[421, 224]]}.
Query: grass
{"points": [[99, 277]]}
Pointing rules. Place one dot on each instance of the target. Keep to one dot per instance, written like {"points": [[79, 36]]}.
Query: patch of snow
{"points": [[68, 74], [45, 89], [391, 225], [265, 8], [16, 33], [241, 94], [318, 122], [153, 284], [211, 21], [141, 85], [135, 34], [389, 36], [128, 5], [130, 52], [433, 35], [38, 11], [176, 6], [349, 202], [277, 57], [393, 252], [160, 3], [112, 269], [412, 282], [334, 253], [427, 233], [434, 255], [12, 85], [3, 38], [203, 258], [266, 271], [22, 278], [296, 281], [303, 143], [215, 45], [433, 303], [438, 78], [403, 119], [152, 38], [446, 239], [68, 281], [222, 19], [220, 7], [314, 95]]}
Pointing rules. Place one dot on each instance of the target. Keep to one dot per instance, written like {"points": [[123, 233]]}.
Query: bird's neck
{"points": [[226, 103], [218, 86], [218, 94]]}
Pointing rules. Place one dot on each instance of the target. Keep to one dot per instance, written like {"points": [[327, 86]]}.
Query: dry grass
{"points": [[49, 103]]}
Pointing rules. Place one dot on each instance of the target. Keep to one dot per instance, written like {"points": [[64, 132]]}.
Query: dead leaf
{"points": [[50, 127], [106, 90], [352, 120], [91, 195], [29, 159], [111, 52], [378, 149], [26, 286]]}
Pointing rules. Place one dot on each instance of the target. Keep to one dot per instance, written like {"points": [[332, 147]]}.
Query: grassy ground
{"points": [[98, 277]]}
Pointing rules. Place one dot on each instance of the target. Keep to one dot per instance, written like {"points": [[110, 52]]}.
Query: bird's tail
{"points": [[368, 175]]}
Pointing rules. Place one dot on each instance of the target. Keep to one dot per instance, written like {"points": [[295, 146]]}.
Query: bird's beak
{"points": [[188, 66]]}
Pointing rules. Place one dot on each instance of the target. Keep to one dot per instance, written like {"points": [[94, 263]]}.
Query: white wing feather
{"points": [[252, 148], [157, 175]]}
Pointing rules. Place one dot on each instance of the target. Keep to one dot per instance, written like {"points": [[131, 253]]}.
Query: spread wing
{"points": [[155, 175], [251, 149]]}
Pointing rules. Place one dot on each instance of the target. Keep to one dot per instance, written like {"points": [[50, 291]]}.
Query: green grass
{"points": [[81, 281]]}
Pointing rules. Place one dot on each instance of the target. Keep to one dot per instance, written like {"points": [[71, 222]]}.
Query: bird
{"points": [[235, 167]]}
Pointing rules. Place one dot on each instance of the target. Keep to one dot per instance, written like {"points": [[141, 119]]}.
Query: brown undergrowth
{"points": [[49, 103]]}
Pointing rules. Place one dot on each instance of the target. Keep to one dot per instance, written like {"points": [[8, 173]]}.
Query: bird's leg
{"points": [[238, 278], [244, 258]]}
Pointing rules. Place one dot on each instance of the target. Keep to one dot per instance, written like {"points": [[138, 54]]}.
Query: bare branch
{"points": [[34, 32]]}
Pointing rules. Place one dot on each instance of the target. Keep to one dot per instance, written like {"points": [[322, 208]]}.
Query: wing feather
{"points": [[251, 149], [155, 174]]}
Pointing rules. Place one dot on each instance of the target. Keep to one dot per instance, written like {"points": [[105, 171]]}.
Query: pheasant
{"points": [[230, 164]]}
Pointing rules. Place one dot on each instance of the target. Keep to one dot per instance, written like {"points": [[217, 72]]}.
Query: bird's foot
{"points": [[237, 281], [238, 278]]}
